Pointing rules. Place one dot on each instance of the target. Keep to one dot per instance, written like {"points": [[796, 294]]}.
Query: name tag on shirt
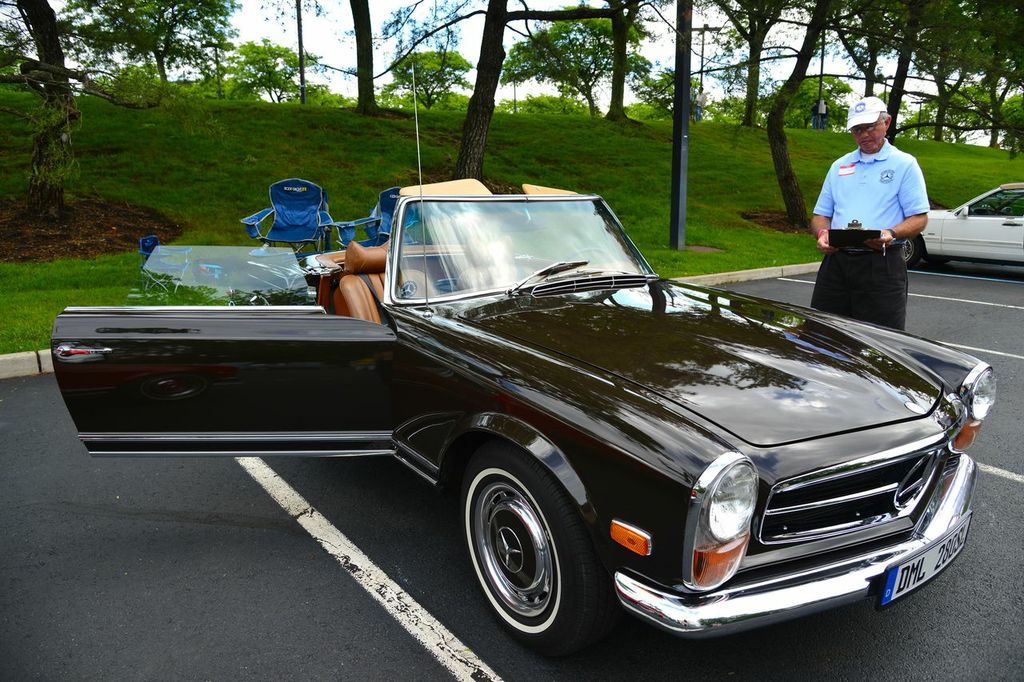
{"points": [[848, 169]]}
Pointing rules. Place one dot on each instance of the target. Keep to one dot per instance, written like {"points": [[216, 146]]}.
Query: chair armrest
{"points": [[357, 223], [256, 218]]}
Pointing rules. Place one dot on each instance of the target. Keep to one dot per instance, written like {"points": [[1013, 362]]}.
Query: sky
{"points": [[330, 38]]}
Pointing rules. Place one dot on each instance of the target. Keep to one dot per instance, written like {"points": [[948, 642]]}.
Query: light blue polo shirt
{"points": [[880, 193]]}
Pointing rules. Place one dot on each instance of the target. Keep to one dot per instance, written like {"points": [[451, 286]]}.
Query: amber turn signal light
{"points": [[967, 435], [632, 538]]}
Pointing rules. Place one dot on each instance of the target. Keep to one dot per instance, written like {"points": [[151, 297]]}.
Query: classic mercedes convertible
{"points": [[709, 461]]}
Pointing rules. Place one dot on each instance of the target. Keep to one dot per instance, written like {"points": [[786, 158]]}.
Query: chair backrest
{"points": [[297, 203], [386, 208], [147, 244]]}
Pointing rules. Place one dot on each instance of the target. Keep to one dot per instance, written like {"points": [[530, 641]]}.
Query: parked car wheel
{"points": [[532, 554], [913, 251]]}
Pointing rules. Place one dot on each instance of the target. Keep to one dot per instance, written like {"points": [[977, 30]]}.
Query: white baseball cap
{"points": [[865, 111]]}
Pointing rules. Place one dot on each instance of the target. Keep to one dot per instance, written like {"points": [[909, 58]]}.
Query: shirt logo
{"points": [[886, 176], [848, 169]]}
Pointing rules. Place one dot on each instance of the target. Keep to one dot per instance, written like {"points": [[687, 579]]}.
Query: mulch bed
{"points": [[775, 220], [88, 228]]}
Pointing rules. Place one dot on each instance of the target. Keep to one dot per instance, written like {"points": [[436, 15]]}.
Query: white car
{"points": [[988, 228]]}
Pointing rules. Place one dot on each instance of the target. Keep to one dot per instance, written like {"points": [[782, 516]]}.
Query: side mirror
{"points": [[964, 212]]}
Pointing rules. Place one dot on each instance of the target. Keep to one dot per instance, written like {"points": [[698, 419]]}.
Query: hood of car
{"points": [[767, 374]]}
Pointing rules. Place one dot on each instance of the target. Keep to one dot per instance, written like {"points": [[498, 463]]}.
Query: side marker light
{"points": [[632, 538]]}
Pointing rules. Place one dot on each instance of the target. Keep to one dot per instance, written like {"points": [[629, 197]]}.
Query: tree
{"points": [[367, 103], [865, 29], [752, 21], [266, 69], [437, 73], [626, 32], [31, 26], [796, 210], [576, 56], [172, 33]]}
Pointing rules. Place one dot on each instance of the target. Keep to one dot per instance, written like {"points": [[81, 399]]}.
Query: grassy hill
{"points": [[206, 167]]}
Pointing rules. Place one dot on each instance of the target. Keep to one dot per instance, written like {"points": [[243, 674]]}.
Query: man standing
{"points": [[881, 188], [702, 100]]}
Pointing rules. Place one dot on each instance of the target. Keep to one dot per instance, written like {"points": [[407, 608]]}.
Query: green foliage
{"points": [[543, 104], [166, 34], [206, 179], [574, 56], [319, 95], [437, 74], [265, 69], [135, 83], [835, 93]]}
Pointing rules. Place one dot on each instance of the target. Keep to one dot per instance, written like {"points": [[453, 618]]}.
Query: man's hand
{"points": [[823, 245], [820, 225], [884, 241]]}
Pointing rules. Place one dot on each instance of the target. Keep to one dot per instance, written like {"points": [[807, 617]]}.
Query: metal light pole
{"points": [[821, 86], [680, 124]]}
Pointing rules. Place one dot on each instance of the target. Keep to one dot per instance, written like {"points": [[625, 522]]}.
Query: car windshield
{"points": [[471, 246], [221, 275]]}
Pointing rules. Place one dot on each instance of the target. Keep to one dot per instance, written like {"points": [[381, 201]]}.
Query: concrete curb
{"points": [[25, 364], [41, 362], [747, 275]]}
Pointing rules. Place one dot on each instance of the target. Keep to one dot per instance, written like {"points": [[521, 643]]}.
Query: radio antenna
{"points": [[419, 171]]}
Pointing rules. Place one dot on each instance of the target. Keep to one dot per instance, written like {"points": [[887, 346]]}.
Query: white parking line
{"points": [[940, 298], [982, 350], [996, 471], [417, 621]]}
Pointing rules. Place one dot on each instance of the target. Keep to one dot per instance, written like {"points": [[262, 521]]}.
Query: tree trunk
{"points": [[470, 163], [51, 146], [753, 79], [907, 46], [620, 35], [367, 103], [796, 209]]}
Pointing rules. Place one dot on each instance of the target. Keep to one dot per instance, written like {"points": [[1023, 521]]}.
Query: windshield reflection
{"points": [[467, 247]]}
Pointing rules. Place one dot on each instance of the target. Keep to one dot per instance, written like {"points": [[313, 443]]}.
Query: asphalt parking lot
{"points": [[171, 569]]}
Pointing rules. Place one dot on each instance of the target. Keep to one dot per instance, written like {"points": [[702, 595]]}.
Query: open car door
{"points": [[225, 381]]}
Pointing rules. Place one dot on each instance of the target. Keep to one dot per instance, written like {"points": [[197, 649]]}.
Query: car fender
{"points": [[524, 436]]}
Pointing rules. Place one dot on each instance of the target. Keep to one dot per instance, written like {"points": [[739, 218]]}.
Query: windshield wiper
{"points": [[553, 269]]}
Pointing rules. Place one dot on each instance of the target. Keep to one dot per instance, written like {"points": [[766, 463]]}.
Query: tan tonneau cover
{"points": [[453, 188], [538, 189]]}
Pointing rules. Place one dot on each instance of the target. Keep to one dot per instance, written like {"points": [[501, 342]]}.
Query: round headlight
{"points": [[732, 503], [982, 395]]}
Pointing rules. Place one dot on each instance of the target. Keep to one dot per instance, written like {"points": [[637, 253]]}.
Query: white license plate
{"points": [[912, 573]]}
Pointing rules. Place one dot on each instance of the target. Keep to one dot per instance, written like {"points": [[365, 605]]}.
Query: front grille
{"points": [[843, 500], [618, 281]]}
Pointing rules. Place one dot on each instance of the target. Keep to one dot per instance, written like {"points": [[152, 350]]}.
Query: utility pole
{"points": [[703, 31], [681, 124], [302, 54]]}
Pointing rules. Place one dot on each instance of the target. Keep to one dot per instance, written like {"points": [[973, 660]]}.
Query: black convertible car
{"points": [[710, 461]]}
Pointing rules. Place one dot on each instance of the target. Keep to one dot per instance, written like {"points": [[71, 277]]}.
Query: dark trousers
{"points": [[865, 286]]}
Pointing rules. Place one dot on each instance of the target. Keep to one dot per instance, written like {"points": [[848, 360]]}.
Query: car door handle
{"points": [[1010, 223], [65, 352]]}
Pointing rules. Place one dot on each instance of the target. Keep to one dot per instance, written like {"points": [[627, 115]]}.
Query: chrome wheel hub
{"points": [[515, 552]]}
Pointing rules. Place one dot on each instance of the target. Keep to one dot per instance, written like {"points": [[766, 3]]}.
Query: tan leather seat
{"points": [[352, 298]]}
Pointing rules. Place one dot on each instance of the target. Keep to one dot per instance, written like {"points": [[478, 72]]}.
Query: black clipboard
{"points": [[840, 238]]}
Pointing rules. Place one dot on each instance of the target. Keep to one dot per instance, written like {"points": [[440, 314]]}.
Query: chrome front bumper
{"points": [[781, 598]]}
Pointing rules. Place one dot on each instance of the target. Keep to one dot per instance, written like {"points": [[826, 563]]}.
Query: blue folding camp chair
{"points": [[300, 216], [377, 225]]}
